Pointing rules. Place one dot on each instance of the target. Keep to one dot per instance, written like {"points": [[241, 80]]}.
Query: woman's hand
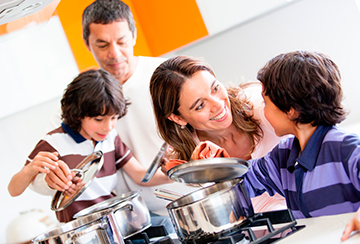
{"points": [[353, 225]]}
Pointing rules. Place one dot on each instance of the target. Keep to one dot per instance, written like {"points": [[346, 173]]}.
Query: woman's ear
{"points": [[177, 119]]}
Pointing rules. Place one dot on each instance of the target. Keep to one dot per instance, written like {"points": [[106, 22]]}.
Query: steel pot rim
{"points": [[73, 225], [172, 205], [108, 203]]}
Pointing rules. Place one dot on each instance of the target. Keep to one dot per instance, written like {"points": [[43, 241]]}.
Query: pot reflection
{"points": [[210, 210]]}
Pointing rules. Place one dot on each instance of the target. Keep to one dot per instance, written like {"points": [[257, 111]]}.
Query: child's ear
{"points": [[292, 114], [177, 119]]}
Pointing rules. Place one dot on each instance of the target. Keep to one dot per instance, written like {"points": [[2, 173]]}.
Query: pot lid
{"points": [[86, 170], [109, 203], [209, 170]]}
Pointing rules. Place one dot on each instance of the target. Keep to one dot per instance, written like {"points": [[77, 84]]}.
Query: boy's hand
{"points": [[76, 187], [43, 162], [353, 225], [60, 177]]}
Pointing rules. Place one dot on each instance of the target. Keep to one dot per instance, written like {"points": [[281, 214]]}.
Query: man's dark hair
{"points": [[92, 93], [105, 12], [309, 82]]}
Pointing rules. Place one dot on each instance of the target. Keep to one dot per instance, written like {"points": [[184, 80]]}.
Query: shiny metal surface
{"points": [[97, 228], [209, 170], [86, 170], [210, 210], [167, 194], [155, 163], [130, 210]]}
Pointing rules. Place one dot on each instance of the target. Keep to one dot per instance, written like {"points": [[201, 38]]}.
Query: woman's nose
{"points": [[216, 104]]}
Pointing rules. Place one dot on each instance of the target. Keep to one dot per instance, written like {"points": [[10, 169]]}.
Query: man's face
{"points": [[112, 46]]}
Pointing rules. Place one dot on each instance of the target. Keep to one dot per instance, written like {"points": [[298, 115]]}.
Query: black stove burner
{"points": [[278, 225], [262, 228], [153, 232]]}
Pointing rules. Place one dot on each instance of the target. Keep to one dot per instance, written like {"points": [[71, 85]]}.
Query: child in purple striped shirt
{"points": [[316, 169]]}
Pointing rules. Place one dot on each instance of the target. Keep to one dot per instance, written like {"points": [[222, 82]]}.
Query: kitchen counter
{"points": [[326, 229]]}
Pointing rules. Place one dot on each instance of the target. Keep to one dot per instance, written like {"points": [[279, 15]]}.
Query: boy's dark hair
{"points": [[92, 93], [309, 82], [105, 12]]}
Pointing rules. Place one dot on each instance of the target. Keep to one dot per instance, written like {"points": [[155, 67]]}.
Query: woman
{"points": [[191, 106]]}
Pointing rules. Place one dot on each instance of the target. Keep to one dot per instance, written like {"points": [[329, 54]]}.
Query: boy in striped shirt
{"points": [[91, 106], [316, 169]]}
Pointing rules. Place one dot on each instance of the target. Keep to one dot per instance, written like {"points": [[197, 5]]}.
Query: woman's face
{"points": [[204, 103]]}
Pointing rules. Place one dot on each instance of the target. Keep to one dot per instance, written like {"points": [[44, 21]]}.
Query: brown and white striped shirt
{"points": [[72, 149]]}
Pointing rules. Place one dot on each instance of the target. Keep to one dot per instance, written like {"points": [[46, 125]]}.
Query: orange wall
{"points": [[162, 26], [169, 24], [70, 13]]}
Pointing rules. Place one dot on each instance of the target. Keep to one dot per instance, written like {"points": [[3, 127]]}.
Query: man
{"points": [[109, 33]]}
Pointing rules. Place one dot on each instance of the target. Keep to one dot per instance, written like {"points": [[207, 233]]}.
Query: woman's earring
{"points": [[182, 127]]}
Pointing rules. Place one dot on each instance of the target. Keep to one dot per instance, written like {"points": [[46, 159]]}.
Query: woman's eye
{"points": [[200, 106], [216, 88], [97, 119]]}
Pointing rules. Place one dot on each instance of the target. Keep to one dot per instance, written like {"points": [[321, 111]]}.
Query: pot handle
{"points": [[166, 194], [123, 205]]}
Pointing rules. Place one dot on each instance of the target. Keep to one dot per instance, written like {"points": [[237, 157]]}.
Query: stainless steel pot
{"points": [[210, 210], [130, 210], [97, 228]]}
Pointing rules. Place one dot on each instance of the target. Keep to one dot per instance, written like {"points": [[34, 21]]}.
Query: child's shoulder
{"points": [[337, 134], [287, 142], [57, 130]]}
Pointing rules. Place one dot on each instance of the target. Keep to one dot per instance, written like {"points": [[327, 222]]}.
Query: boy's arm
{"points": [[263, 176], [350, 150], [43, 162], [40, 186], [20, 181]]}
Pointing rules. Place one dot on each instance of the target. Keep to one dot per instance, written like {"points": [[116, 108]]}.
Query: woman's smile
{"points": [[221, 117]]}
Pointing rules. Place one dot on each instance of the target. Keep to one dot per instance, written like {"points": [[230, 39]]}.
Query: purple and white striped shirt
{"points": [[323, 180]]}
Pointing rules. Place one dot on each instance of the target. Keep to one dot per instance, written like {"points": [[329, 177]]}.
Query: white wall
{"points": [[329, 26], [222, 15], [36, 65], [19, 134]]}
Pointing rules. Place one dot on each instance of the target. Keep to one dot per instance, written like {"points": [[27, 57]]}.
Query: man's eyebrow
{"points": [[101, 40]]}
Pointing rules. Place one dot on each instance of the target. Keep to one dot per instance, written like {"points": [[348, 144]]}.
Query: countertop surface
{"points": [[326, 229]]}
